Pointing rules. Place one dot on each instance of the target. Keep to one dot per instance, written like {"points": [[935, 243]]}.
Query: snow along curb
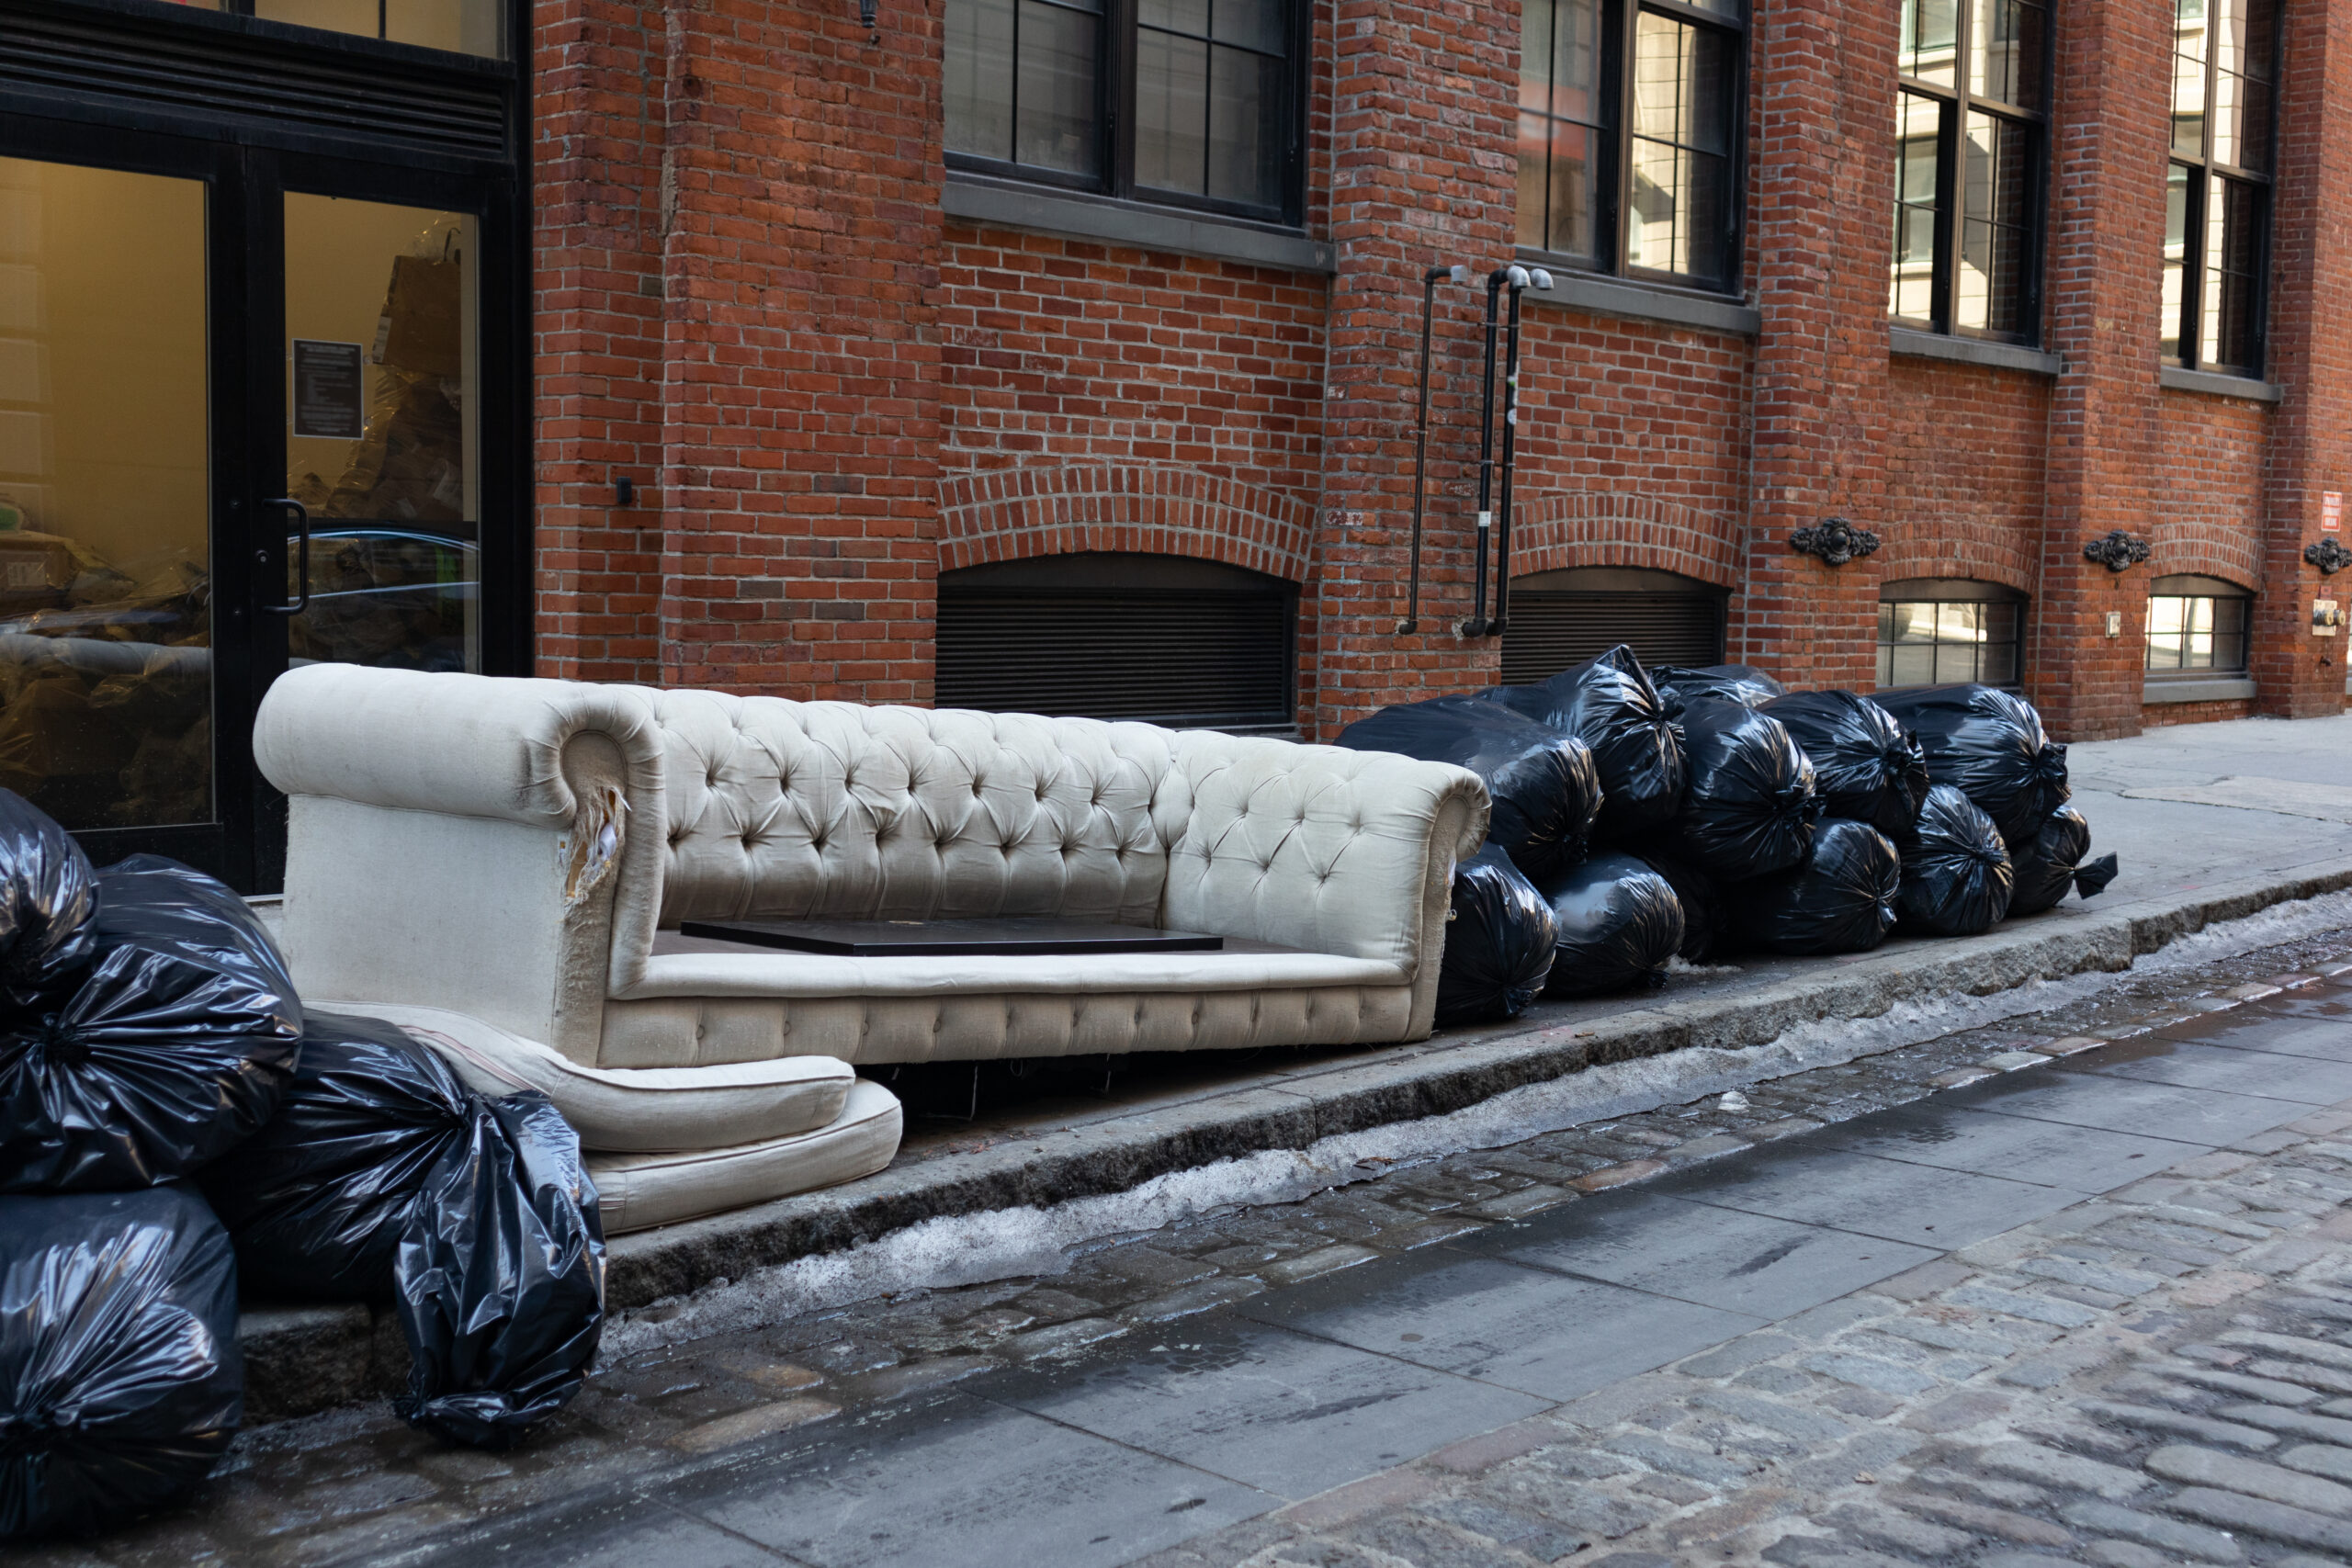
{"points": [[1016, 1206]]}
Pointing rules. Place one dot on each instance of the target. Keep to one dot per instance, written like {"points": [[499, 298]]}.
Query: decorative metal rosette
{"points": [[2329, 556], [1835, 541], [2119, 551]]}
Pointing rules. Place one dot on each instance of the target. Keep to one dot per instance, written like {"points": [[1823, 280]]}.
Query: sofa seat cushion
{"points": [[995, 1026], [649, 1110], [639, 1190], [696, 966]]}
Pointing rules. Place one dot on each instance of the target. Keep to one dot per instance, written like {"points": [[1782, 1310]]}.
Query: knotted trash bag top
{"points": [[47, 893], [1610, 705], [120, 1382], [1956, 872], [1705, 921], [2052, 862], [1541, 778], [1740, 683], [384, 1178], [1499, 938], [1750, 806], [171, 1044], [1619, 924], [1989, 744], [1843, 900], [1866, 767]]}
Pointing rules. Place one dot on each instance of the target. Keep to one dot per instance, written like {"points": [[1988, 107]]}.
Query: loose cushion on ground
{"points": [[641, 1191], [634, 1110]]}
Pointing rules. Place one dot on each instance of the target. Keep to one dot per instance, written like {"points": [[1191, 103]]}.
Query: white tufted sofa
{"points": [[523, 851]]}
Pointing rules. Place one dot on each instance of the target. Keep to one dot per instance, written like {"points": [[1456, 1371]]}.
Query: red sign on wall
{"points": [[2331, 510]]}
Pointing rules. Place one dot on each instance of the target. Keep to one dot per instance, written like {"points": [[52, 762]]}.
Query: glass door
{"points": [[383, 445], [109, 673]]}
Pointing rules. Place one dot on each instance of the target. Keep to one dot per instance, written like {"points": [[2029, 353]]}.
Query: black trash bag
{"points": [[1989, 744], [501, 1276], [385, 1179], [1866, 767], [317, 1200], [1499, 941], [1542, 780], [1957, 877], [47, 893], [120, 1382], [1750, 806], [1843, 900], [171, 1046], [1619, 924], [1610, 705], [1737, 682], [1705, 931], [2051, 863]]}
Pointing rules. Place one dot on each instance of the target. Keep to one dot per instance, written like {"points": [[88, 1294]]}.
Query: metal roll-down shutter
{"points": [[1160, 638], [1559, 619]]}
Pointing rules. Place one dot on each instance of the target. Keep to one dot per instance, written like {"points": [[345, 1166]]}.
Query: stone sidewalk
{"points": [[1744, 1399]]}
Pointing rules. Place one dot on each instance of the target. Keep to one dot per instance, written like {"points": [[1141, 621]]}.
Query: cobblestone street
{"points": [[2072, 1289]]}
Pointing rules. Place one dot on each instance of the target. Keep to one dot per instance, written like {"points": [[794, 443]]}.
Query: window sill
{"points": [[1076, 215], [1605, 296], [1908, 344], [2220, 689], [2218, 386]]}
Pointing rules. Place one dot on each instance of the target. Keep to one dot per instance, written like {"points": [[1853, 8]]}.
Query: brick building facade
{"points": [[835, 366]]}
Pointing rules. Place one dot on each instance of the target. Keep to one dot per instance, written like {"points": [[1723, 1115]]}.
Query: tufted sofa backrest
{"points": [[792, 810]]}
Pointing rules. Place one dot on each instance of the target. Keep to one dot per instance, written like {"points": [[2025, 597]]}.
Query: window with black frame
{"points": [[1935, 631], [2196, 626], [1970, 126], [1193, 103], [2217, 189], [1629, 136]]}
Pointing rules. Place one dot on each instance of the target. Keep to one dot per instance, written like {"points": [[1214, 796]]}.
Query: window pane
{"points": [[1261, 25], [1957, 623], [1930, 40], [2005, 53], [1915, 622], [1244, 127], [1681, 201], [1055, 119], [2176, 258], [2243, 31], [464, 27], [1558, 104], [1912, 664], [1886, 665], [980, 78], [1993, 231], [2226, 306], [1911, 285], [1172, 111]]}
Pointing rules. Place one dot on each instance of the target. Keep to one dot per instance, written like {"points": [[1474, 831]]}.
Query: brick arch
{"points": [[1015, 513], [1978, 552], [1559, 529], [2216, 545]]}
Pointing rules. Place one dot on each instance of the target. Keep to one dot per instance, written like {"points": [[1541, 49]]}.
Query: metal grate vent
{"points": [[195, 72], [1551, 632], [1218, 660]]}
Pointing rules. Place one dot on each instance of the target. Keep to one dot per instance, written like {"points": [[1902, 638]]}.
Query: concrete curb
{"points": [[305, 1359]]}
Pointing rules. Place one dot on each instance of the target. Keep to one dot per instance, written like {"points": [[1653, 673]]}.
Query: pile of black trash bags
{"points": [[174, 1125], [1644, 816]]}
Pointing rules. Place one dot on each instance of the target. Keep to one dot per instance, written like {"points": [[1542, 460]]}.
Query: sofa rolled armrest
{"points": [[460, 745], [491, 846]]}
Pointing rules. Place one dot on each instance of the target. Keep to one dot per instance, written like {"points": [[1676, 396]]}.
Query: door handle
{"points": [[301, 599]]}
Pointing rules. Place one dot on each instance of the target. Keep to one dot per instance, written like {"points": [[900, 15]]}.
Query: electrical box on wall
{"points": [[2115, 622], [2325, 617]]}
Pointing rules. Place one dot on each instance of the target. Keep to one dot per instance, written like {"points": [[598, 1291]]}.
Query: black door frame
{"points": [[427, 130]]}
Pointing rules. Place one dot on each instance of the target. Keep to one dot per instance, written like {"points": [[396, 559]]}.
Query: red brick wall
{"points": [[2158, 716], [749, 303]]}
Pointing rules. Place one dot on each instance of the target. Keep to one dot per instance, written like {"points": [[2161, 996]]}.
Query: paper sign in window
{"points": [[329, 391]]}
